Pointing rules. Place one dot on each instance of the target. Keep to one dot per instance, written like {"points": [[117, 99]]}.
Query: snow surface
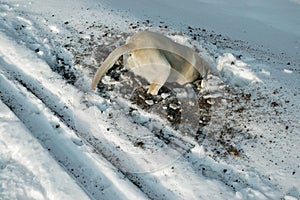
{"points": [[271, 24], [27, 170], [60, 140]]}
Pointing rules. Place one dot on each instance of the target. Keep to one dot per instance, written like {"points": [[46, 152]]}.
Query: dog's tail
{"points": [[108, 63]]}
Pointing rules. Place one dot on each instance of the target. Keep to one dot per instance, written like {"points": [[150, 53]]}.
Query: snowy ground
{"points": [[234, 137]]}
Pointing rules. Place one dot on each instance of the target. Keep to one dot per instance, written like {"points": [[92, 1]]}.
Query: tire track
{"points": [[71, 157]]}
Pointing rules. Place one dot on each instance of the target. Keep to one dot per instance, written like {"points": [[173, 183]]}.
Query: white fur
{"points": [[158, 59]]}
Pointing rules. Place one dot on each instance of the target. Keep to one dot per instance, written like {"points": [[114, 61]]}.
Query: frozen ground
{"points": [[232, 137]]}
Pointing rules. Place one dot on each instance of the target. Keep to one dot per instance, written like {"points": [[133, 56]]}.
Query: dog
{"points": [[158, 59]]}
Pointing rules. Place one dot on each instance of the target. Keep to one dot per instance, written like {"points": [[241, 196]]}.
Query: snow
{"points": [[235, 72], [27, 170], [271, 24], [60, 140]]}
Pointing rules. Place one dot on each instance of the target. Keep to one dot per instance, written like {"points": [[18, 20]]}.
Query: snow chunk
{"points": [[288, 71], [54, 29], [180, 39], [164, 95], [235, 72], [149, 102], [265, 72]]}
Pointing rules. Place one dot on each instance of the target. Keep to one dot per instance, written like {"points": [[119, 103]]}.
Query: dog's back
{"points": [[154, 48]]}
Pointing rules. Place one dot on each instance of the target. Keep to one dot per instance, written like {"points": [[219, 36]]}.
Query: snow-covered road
{"points": [[237, 137]]}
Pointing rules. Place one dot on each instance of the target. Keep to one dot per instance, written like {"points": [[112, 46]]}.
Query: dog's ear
{"points": [[108, 63]]}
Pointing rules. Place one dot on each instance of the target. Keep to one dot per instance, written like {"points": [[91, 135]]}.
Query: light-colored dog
{"points": [[158, 59]]}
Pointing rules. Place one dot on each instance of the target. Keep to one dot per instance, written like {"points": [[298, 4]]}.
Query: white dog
{"points": [[158, 59]]}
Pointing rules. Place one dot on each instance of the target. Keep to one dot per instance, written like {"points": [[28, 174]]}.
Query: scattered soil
{"points": [[189, 115]]}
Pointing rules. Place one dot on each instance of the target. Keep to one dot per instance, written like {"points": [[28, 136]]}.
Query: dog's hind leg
{"points": [[154, 88], [152, 65]]}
